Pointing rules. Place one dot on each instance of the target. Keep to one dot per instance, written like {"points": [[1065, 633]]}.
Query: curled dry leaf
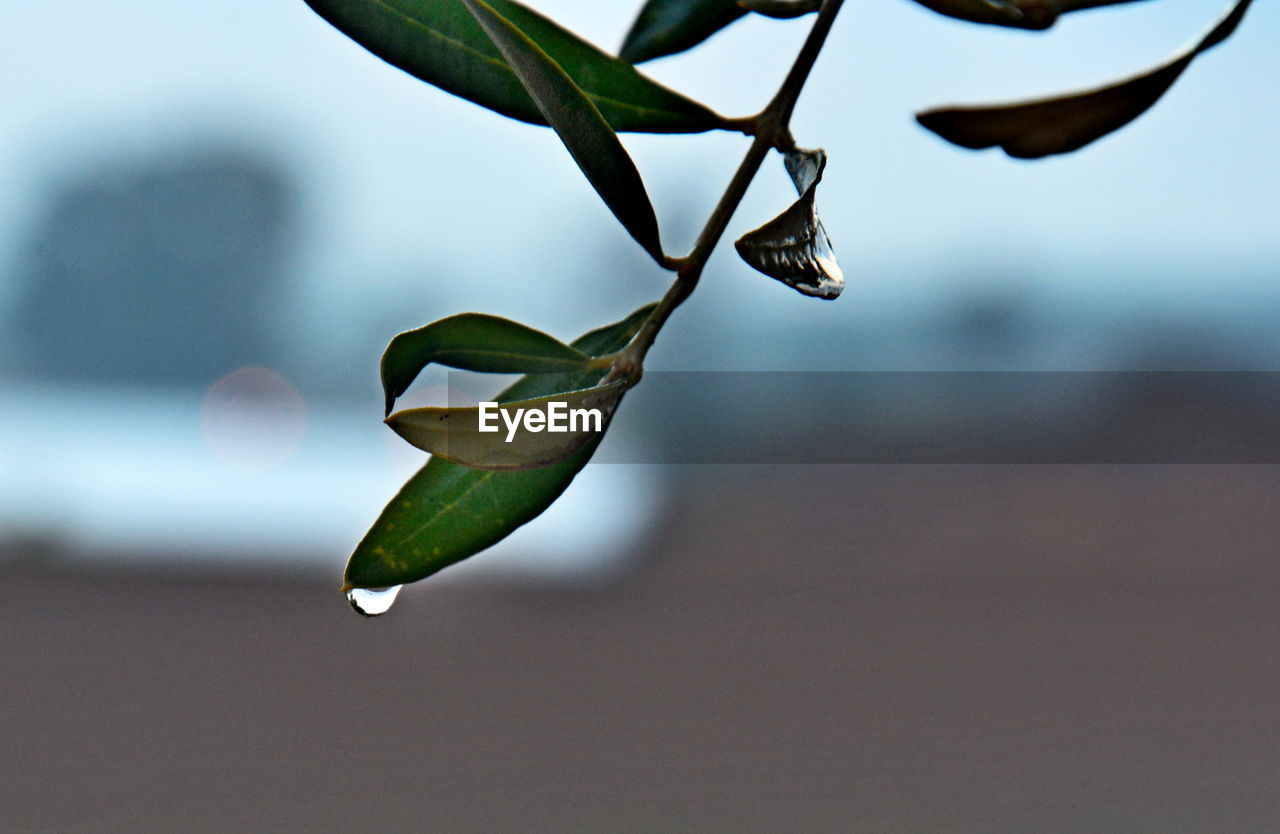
{"points": [[454, 433], [805, 167], [1033, 129], [793, 247]]}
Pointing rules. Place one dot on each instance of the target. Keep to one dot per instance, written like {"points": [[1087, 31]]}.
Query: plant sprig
{"points": [[770, 129], [508, 58]]}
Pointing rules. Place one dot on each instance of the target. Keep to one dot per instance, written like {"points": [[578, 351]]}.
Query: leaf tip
{"points": [[929, 120], [948, 124], [632, 54]]}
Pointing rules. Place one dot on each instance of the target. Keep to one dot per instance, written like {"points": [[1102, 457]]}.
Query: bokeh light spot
{"points": [[253, 419]]}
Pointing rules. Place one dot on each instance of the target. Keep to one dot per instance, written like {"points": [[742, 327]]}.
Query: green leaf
{"points": [[1020, 14], [781, 9], [448, 512], [997, 12], [473, 342], [1062, 124], [590, 140], [440, 42], [665, 27], [456, 434]]}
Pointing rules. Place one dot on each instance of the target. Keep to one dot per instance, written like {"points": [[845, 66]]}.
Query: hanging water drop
{"points": [[372, 602]]}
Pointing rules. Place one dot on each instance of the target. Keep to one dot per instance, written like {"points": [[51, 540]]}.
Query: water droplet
{"points": [[371, 602]]}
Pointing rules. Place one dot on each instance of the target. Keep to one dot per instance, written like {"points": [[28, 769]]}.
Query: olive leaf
{"points": [[1021, 14], [665, 27], [473, 342], [455, 433], [578, 123], [781, 9], [438, 41], [447, 512], [1062, 124], [793, 247]]}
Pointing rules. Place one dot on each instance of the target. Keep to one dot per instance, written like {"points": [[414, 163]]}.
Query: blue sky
{"points": [[404, 183]]}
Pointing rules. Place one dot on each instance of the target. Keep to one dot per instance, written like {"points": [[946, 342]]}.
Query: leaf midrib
{"points": [[568, 363], [413, 21], [482, 480]]}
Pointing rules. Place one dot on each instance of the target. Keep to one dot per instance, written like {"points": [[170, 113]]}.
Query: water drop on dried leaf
{"points": [[794, 247]]}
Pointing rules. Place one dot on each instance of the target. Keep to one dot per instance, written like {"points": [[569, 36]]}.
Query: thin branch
{"points": [[772, 130]]}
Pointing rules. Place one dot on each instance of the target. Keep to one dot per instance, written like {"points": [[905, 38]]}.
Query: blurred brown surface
{"points": [[958, 649]]}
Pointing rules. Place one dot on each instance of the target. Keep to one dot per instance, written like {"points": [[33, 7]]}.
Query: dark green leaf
{"points": [[448, 512], [1030, 130], [1020, 14], [473, 342], [590, 140], [665, 27], [440, 42], [455, 433], [781, 9]]}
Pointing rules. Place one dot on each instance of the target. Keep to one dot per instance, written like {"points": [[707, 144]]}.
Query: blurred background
{"points": [[213, 216]]}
